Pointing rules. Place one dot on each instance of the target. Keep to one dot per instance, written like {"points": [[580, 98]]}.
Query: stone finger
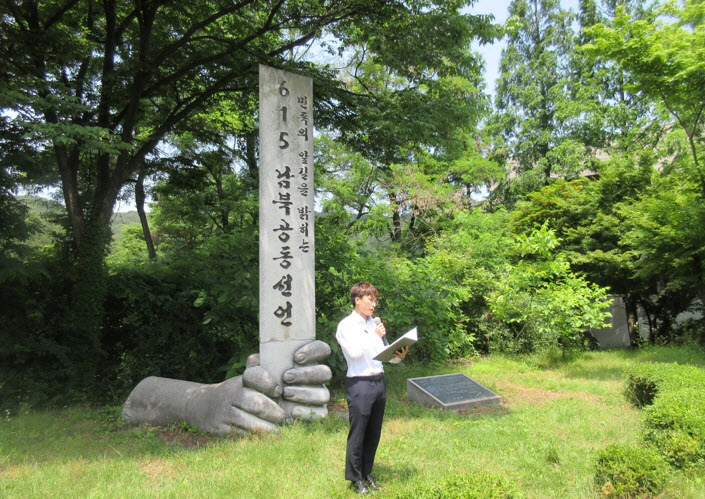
{"points": [[252, 360], [309, 412], [314, 395], [258, 378], [308, 375], [249, 422], [311, 353], [228, 429], [260, 405]]}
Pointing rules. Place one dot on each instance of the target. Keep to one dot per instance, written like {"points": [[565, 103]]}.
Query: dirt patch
{"points": [[13, 472], [519, 395], [190, 440], [338, 407], [157, 468]]}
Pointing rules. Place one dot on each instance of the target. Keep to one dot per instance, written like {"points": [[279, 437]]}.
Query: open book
{"points": [[387, 354]]}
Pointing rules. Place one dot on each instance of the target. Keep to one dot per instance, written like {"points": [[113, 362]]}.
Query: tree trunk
{"points": [[224, 213], [87, 305], [630, 306], [139, 201], [395, 231], [700, 292]]}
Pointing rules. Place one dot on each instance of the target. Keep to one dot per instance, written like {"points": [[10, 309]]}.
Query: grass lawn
{"points": [[557, 413]]}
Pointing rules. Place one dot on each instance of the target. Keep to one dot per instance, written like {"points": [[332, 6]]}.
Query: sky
{"points": [[492, 53]]}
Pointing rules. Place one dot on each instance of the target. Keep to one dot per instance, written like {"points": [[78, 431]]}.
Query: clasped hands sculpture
{"points": [[254, 401]]}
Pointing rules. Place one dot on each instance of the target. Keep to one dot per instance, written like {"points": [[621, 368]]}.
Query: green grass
{"points": [[557, 414]]}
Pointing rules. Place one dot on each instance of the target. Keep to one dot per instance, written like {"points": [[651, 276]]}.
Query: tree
{"points": [[529, 132], [664, 59], [541, 300], [588, 219], [602, 113], [663, 53], [412, 145], [97, 86]]}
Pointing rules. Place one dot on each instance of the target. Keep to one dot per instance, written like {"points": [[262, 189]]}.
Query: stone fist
{"points": [[252, 402], [303, 395]]}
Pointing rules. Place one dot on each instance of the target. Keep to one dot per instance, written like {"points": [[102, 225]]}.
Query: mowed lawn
{"points": [[557, 413]]}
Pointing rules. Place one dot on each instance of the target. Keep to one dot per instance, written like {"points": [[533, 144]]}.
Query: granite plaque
{"points": [[451, 392]]}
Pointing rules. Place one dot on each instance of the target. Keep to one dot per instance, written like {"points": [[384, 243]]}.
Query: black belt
{"points": [[374, 377]]}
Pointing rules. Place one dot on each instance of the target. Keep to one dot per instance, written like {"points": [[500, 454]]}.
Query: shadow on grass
{"points": [[44, 437], [391, 472], [693, 355], [413, 411]]}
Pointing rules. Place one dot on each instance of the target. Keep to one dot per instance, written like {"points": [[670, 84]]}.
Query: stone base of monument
{"points": [[450, 392]]}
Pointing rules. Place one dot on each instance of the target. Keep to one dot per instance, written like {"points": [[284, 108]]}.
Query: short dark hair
{"points": [[362, 289]]}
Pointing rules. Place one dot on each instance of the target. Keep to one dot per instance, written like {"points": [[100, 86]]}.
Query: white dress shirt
{"points": [[360, 344]]}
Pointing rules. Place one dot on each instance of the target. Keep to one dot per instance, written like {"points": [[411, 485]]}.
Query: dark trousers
{"points": [[367, 397]]}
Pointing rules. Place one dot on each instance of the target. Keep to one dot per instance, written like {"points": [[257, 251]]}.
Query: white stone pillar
{"points": [[286, 255]]}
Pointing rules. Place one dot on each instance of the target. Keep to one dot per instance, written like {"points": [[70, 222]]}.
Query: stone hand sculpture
{"points": [[252, 402]]}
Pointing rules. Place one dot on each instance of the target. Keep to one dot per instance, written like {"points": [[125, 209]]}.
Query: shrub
{"points": [[675, 425], [673, 398], [464, 487], [643, 382], [628, 471]]}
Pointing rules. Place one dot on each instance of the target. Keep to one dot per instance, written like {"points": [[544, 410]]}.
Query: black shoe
{"points": [[360, 487], [371, 483]]}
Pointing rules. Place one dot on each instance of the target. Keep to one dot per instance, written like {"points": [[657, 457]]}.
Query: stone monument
{"points": [[286, 240], [285, 380]]}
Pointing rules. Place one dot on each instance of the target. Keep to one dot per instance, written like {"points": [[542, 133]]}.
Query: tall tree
{"points": [[531, 88], [603, 112], [411, 146], [663, 52]]}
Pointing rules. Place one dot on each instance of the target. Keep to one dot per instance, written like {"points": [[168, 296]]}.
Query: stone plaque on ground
{"points": [[286, 259], [451, 392]]}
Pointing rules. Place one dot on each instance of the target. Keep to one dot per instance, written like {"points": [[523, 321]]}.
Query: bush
{"points": [[643, 383], [628, 471], [646, 381], [158, 322], [675, 425], [674, 421], [464, 487]]}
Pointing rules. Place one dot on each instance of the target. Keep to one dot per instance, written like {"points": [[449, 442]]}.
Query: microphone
{"points": [[378, 321]]}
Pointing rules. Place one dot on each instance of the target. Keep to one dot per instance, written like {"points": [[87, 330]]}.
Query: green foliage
{"points": [[36, 363], [540, 300], [661, 49], [628, 471], [469, 254], [411, 153], [412, 295], [155, 327], [528, 126], [470, 486], [665, 225], [675, 425], [673, 397]]}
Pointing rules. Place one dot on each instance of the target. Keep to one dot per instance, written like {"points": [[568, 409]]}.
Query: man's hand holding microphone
{"points": [[382, 333]]}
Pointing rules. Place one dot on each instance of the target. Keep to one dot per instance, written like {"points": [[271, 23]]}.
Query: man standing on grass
{"points": [[366, 390]]}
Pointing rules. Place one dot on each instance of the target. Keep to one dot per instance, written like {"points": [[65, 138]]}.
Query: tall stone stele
{"points": [[285, 380], [286, 250]]}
